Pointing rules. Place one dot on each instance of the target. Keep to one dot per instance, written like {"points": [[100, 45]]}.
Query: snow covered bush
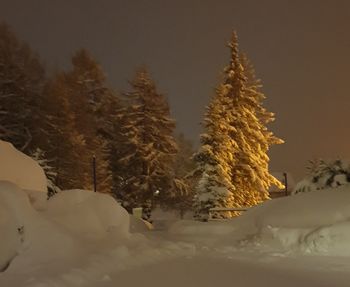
{"points": [[211, 193], [324, 174], [40, 157]]}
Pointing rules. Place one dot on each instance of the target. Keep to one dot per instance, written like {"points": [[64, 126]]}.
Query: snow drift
{"points": [[309, 223], [88, 214], [24, 231], [80, 238], [13, 211], [315, 222], [20, 169], [59, 231]]}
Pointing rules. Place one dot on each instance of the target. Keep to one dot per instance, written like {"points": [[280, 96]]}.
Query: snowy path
{"points": [[220, 266], [168, 264], [208, 272]]}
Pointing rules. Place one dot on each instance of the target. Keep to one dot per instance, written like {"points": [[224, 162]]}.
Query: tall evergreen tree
{"points": [[90, 100], [148, 146], [250, 173], [214, 160], [24, 115], [236, 141], [66, 145], [22, 78], [184, 182]]}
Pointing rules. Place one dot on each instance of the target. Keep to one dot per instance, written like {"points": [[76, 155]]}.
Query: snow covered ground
{"points": [[81, 238]]}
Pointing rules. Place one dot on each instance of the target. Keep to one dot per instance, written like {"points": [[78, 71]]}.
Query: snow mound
{"points": [[315, 222], [79, 239], [24, 230], [14, 208], [20, 169], [307, 223], [61, 233], [89, 214]]}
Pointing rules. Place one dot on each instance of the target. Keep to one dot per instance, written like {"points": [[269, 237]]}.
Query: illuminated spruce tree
{"points": [[148, 147], [236, 141], [265, 137], [249, 174]]}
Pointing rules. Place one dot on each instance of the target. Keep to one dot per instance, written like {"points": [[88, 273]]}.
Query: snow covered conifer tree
{"points": [[214, 160], [90, 101], [241, 138], [67, 145], [40, 157], [148, 146], [250, 174], [21, 81], [183, 182]]}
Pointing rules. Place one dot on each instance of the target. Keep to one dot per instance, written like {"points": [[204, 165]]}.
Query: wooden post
{"points": [[94, 172], [285, 183]]}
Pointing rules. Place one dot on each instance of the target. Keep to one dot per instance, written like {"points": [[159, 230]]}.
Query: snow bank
{"points": [[14, 209], [20, 169], [315, 222], [23, 230], [89, 214], [79, 240], [74, 239], [308, 223], [73, 219]]}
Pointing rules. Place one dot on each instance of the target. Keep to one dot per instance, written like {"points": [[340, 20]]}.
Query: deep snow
{"points": [[81, 238]]}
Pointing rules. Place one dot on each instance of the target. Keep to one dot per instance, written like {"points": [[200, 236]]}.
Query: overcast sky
{"points": [[300, 50]]}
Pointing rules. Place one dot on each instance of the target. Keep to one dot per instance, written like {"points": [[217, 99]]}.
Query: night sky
{"points": [[300, 50]]}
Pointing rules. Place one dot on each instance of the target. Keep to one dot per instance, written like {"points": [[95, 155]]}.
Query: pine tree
{"points": [[90, 101], [87, 128], [67, 145], [233, 157], [41, 158], [250, 173], [214, 160], [21, 81], [24, 115], [148, 146], [183, 182]]}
